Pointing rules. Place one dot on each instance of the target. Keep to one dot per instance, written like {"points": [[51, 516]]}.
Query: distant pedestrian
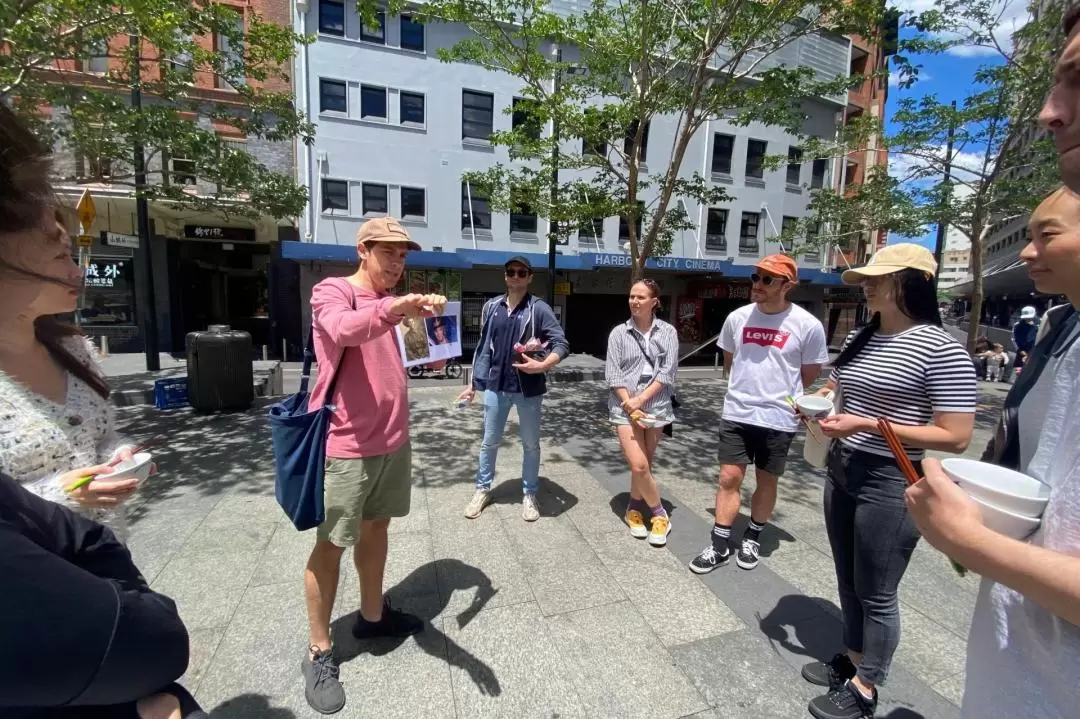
{"points": [[773, 349], [369, 459], [55, 413], [905, 367], [1024, 331], [521, 340], [642, 359]]}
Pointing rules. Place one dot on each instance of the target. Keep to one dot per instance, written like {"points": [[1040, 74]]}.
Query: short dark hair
{"points": [[1069, 20]]}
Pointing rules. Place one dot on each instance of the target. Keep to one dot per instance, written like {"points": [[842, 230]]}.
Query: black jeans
{"points": [[872, 538]]}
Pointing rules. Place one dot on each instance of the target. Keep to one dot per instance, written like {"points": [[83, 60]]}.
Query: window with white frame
{"points": [[232, 51], [794, 165], [411, 106], [716, 229], [335, 195], [817, 178], [377, 32], [374, 199], [413, 203], [475, 209], [182, 171], [477, 115], [332, 17], [372, 102], [748, 233], [522, 216], [723, 147], [412, 34], [333, 96], [755, 159], [591, 234]]}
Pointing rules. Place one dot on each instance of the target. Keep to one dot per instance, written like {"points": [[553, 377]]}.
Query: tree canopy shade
{"points": [[208, 75]]}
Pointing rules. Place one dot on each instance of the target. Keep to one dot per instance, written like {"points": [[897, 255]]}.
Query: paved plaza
{"points": [[565, 617]]}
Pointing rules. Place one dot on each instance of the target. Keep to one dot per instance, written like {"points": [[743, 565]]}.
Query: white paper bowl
{"points": [[1005, 522], [814, 406], [137, 467], [1000, 487]]}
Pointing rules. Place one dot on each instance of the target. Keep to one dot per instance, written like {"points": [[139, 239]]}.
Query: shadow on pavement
{"points": [[552, 499], [453, 575], [249, 706], [817, 639]]}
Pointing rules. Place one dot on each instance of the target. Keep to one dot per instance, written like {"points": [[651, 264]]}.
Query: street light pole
{"points": [[939, 244], [149, 309], [552, 224]]}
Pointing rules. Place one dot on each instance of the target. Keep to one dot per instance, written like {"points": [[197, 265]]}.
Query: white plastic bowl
{"points": [[137, 467], [814, 406], [1005, 522], [1003, 488]]}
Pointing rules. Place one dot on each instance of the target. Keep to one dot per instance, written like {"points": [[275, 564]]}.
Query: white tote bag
{"points": [[816, 446]]}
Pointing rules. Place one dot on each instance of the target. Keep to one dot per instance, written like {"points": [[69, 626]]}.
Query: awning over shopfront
{"points": [[469, 258], [1004, 277]]}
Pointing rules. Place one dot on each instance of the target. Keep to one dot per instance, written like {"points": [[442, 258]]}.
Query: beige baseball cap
{"points": [[894, 258], [384, 229]]}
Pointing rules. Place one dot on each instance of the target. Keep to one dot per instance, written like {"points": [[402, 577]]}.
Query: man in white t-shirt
{"points": [[772, 349]]}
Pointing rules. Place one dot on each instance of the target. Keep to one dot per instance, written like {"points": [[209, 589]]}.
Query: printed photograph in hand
{"points": [[442, 330], [414, 338]]}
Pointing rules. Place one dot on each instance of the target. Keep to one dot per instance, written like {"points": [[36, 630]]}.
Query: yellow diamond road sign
{"points": [[86, 210]]}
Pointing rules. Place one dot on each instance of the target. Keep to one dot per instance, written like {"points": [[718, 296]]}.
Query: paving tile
{"points": [[505, 664], [446, 508], [285, 557], [740, 676], [928, 650], [417, 518], [809, 570], [246, 508], [206, 586], [676, 606], [603, 650], [952, 688], [203, 643], [595, 516], [485, 573], [240, 536], [410, 570]]}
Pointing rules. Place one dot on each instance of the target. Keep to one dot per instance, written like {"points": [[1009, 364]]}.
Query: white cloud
{"points": [[894, 78], [1013, 15]]}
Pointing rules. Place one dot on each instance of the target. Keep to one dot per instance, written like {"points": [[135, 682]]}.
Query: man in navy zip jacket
{"points": [[509, 378], [84, 636]]}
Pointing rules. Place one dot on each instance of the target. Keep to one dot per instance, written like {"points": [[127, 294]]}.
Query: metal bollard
{"points": [[284, 350], [266, 353], [466, 377], [104, 345]]}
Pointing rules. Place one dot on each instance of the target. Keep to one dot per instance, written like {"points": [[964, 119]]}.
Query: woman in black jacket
{"points": [[84, 636]]}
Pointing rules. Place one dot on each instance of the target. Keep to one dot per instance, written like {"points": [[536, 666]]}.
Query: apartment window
{"points": [[813, 252], [335, 195], [748, 233], [524, 118], [723, 145], [412, 34], [628, 144], [233, 52], [591, 234], [624, 225], [92, 167], [794, 165], [592, 146], [98, 63], [413, 203], [377, 32], [817, 179], [477, 115], [183, 171], [372, 102], [374, 199], [755, 158], [412, 108], [333, 96], [332, 17], [181, 62], [716, 230], [522, 216], [475, 209]]}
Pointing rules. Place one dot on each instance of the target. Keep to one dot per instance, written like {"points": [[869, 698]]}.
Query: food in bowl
{"points": [[1004, 488], [138, 467], [1005, 522], [814, 406]]}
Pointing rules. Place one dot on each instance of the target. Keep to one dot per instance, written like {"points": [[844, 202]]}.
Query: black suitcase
{"points": [[219, 370]]}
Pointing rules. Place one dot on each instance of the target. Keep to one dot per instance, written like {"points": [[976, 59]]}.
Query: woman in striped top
{"points": [[642, 358], [902, 366]]}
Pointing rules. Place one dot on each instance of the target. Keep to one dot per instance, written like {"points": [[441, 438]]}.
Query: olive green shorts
{"points": [[360, 489]]}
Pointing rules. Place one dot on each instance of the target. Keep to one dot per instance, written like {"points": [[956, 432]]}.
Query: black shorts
{"points": [[765, 448]]}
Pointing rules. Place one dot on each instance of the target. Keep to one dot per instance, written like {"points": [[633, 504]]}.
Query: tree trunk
{"points": [[637, 270], [976, 289]]}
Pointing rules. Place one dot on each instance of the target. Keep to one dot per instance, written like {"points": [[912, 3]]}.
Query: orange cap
{"points": [[781, 266]]}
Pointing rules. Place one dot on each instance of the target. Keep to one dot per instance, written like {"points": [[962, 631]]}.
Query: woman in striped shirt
{"points": [[902, 366], [642, 358]]}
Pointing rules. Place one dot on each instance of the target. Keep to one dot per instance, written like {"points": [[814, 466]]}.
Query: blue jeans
{"points": [[496, 409]]}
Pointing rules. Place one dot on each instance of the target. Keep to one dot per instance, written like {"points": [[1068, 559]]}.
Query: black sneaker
{"points": [[708, 560], [844, 702], [830, 674], [393, 623], [322, 689], [749, 553]]}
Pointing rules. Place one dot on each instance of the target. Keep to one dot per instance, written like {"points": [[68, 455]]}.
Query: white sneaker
{"points": [[477, 503], [529, 510]]}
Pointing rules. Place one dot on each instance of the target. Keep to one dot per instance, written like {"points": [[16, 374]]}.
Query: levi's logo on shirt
{"points": [[765, 336]]}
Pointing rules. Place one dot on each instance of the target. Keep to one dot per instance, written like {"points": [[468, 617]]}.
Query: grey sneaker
{"points": [[529, 511], [322, 689], [477, 503]]}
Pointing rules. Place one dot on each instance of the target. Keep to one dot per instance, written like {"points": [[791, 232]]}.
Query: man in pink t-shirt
{"points": [[368, 476]]}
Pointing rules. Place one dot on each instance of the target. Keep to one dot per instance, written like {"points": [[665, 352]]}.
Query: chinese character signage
{"points": [[103, 273], [108, 297], [223, 234]]}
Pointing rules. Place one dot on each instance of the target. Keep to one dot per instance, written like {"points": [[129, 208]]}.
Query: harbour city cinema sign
{"points": [[679, 264]]}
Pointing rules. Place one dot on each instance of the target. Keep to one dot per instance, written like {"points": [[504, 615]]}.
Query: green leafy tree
{"points": [[622, 64], [1000, 165], [69, 67]]}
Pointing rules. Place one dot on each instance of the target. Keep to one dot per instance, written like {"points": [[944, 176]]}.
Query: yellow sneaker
{"points": [[661, 528], [636, 522]]}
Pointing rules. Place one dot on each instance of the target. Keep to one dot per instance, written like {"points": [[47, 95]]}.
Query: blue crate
{"points": [[170, 393]]}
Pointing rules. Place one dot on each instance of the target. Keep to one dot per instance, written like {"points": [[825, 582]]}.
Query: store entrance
{"points": [[224, 284]]}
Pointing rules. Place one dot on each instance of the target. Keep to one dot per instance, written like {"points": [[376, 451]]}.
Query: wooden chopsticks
{"points": [[898, 451]]}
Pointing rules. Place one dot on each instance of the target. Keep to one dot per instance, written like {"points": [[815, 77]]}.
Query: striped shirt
{"points": [[626, 364], [906, 378]]}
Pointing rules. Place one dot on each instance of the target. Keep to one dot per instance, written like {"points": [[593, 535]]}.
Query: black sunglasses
{"points": [[765, 279], [517, 273]]}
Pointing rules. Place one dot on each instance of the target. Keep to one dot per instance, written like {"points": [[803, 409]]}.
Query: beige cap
{"points": [[894, 258], [384, 229]]}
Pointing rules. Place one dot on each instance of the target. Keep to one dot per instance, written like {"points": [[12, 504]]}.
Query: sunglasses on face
{"points": [[765, 279], [517, 273]]}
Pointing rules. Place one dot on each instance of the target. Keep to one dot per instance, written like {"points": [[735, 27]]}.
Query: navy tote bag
{"points": [[298, 436]]}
